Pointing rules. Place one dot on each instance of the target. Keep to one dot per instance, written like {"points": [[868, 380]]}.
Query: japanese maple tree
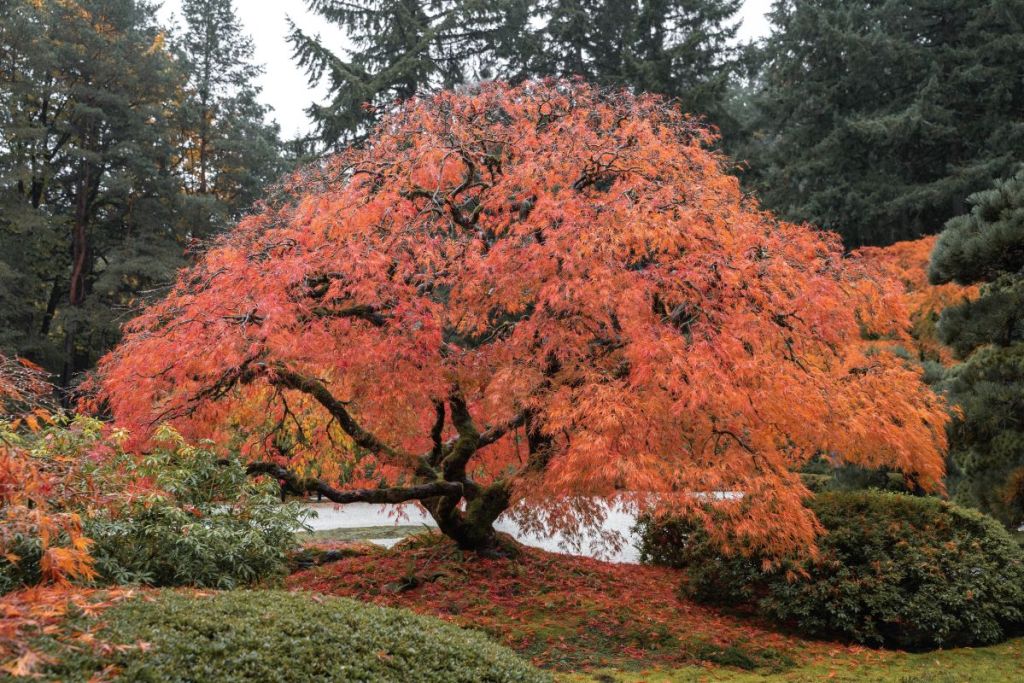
{"points": [[23, 388], [529, 299], [906, 263]]}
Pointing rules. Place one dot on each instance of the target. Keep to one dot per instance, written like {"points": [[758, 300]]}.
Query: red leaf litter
{"points": [[563, 612]]}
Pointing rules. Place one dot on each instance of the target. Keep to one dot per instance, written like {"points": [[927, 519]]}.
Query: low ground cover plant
{"points": [[243, 635], [894, 570]]}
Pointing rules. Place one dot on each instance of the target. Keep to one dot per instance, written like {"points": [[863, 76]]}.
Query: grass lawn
{"points": [[992, 664]]}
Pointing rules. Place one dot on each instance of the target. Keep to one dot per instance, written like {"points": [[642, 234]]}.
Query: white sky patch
{"points": [[285, 87]]}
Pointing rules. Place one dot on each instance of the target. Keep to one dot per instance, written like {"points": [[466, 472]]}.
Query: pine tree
{"points": [[87, 198], [401, 48], [119, 142], [987, 245], [679, 48], [875, 118], [229, 152]]}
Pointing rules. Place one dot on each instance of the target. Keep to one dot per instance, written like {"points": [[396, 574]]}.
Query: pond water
{"points": [[363, 515]]}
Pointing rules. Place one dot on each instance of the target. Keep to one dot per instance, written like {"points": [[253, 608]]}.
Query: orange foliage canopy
{"points": [[906, 263], [23, 386], [532, 296]]}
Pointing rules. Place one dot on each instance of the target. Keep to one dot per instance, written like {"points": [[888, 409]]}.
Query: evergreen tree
{"points": [[401, 48], [679, 48], [987, 245], [229, 153], [87, 197], [116, 144], [876, 117]]}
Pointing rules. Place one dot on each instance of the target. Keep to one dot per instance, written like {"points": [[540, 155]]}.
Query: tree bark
{"points": [[442, 481]]}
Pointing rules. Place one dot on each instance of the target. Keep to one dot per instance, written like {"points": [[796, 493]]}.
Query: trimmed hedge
{"points": [[895, 570], [275, 636]]}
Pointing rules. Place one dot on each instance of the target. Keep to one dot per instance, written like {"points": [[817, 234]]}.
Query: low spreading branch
{"points": [[395, 494]]}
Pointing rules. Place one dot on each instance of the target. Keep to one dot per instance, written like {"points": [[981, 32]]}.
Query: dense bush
{"points": [[894, 570], [278, 636], [241, 536], [180, 515], [821, 475]]}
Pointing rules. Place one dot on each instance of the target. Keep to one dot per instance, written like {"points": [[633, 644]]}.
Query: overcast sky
{"points": [[285, 87]]}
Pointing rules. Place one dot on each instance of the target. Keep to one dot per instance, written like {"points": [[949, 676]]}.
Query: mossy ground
{"points": [[561, 612], [993, 664], [594, 621]]}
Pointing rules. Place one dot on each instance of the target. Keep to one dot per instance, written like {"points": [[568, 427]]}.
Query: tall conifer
{"points": [[875, 118], [987, 246]]}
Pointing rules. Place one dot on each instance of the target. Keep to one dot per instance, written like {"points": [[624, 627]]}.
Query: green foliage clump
{"points": [[209, 526], [893, 570], [987, 436], [282, 637], [821, 475], [178, 516]]}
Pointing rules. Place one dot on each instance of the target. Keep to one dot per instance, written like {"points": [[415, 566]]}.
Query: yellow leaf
{"points": [[23, 665]]}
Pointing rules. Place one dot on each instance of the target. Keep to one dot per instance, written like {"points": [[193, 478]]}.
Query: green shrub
{"points": [[821, 475], [180, 515], [26, 569], [278, 636], [164, 544], [894, 570], [207, 525]]}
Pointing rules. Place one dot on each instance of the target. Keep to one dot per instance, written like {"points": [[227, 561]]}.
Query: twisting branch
{"points": [[362, 312], [495, 433], [397, 494], [466, 444], [437, 452], [718, 433], [289, 379]]}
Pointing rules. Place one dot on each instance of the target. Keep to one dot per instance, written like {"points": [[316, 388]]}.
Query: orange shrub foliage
{"points": [[906, 264], [577, 266], [27, 485], [37, 611], [23, 386]]}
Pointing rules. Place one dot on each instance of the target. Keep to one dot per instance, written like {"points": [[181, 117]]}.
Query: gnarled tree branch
{"points": [[396, 494], [290, 379], [495, 433]]}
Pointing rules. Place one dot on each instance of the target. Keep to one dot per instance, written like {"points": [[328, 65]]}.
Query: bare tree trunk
{"points": [[80, 256], [472, 528]]}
